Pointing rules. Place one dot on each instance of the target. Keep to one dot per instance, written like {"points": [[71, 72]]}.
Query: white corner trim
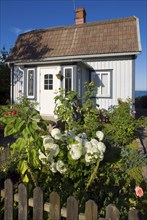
{"points": [[138, 34]]}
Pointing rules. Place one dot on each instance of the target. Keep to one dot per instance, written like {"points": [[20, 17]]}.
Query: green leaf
{"points": [[9, 130], [39, 142], [33, 157], [24, 167], [25, 179], [18, 145], [19, 124], [26, 132]]}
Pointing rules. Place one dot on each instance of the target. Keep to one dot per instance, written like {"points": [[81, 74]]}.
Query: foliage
{"points": [[3, 55], [122, 129], [4, 77], [74, 160], [141, 102], [25, 123], [79, 113]]}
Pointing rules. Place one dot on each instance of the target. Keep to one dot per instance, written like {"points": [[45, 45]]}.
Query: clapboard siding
{"points": [[122, 79]]}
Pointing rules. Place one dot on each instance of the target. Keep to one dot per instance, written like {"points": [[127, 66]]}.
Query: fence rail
{"points": [[53, 208]]}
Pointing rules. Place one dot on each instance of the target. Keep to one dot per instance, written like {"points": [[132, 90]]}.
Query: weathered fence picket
{"points": [[91, 210], [72, 208], [53, 207], [8, 204], [37, 204], [23, 202], [55, 212], [112, 212], [133, 215]]}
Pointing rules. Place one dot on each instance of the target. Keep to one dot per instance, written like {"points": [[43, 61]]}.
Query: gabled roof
{"points": [[94, 38]]}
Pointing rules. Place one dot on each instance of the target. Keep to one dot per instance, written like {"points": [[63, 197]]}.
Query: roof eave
{"points": [[76, 58]]}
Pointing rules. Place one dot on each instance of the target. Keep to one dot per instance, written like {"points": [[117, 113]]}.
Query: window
{"points": [[31, 83], [102, 81], [68, 79], [48, 81]]}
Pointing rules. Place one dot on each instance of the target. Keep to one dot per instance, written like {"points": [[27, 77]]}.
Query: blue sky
{"points": [[20, 16]]}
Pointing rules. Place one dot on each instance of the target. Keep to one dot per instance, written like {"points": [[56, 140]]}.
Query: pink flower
{"points": [[14, 112], [139, 191]]}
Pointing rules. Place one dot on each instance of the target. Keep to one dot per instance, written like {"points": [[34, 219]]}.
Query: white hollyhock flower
{"points": [[101, 156], [70, 134], [100, 135], [82, 135], [88, 147], [53, 167], [56, 133], [94, 143], [75, 151], [60, 166], [47, 139], [78, 139], [101, 147], [53, 149], [42, 157], [88, 158]]}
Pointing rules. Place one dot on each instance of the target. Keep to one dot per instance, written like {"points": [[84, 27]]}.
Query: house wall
{"points": [[122, 79], [122, 83]]}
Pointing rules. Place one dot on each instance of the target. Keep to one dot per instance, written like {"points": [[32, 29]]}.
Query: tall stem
{"points": [[93, 175]]}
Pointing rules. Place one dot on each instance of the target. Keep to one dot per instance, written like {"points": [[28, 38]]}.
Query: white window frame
{"points": [[68, 67], [31, 96], [99, 74]]}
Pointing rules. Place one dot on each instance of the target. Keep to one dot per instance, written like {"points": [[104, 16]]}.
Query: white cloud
{"points": [[27, 30], [18, 31]]}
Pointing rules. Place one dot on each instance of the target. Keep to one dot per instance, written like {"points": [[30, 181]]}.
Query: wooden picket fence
{"points": [[55, 212]]}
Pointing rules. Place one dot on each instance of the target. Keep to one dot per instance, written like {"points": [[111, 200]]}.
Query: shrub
{"points": [[79, 159], [141, 102], [122, 129]]}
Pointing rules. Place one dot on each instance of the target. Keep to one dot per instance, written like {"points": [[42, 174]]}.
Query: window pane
{"points": [[102, 81], [48, 81], [98, 84], [45, 87], [104, 84], [46, 76], [69, 84], [50, 76], [30, 82], [68, 79], [68, 73]]}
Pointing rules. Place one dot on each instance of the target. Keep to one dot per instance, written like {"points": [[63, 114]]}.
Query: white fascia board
{"points": [[93, 56], [69, 59], [138, 34]]}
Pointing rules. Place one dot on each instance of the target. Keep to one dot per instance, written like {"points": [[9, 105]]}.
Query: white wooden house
{"points": [[103, 52]]}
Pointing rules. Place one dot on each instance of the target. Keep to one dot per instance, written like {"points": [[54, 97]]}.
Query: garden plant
{"points": [[91, 154]]}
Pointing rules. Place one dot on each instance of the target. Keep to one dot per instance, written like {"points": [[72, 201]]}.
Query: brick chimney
{"points": [[80, 16]]}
